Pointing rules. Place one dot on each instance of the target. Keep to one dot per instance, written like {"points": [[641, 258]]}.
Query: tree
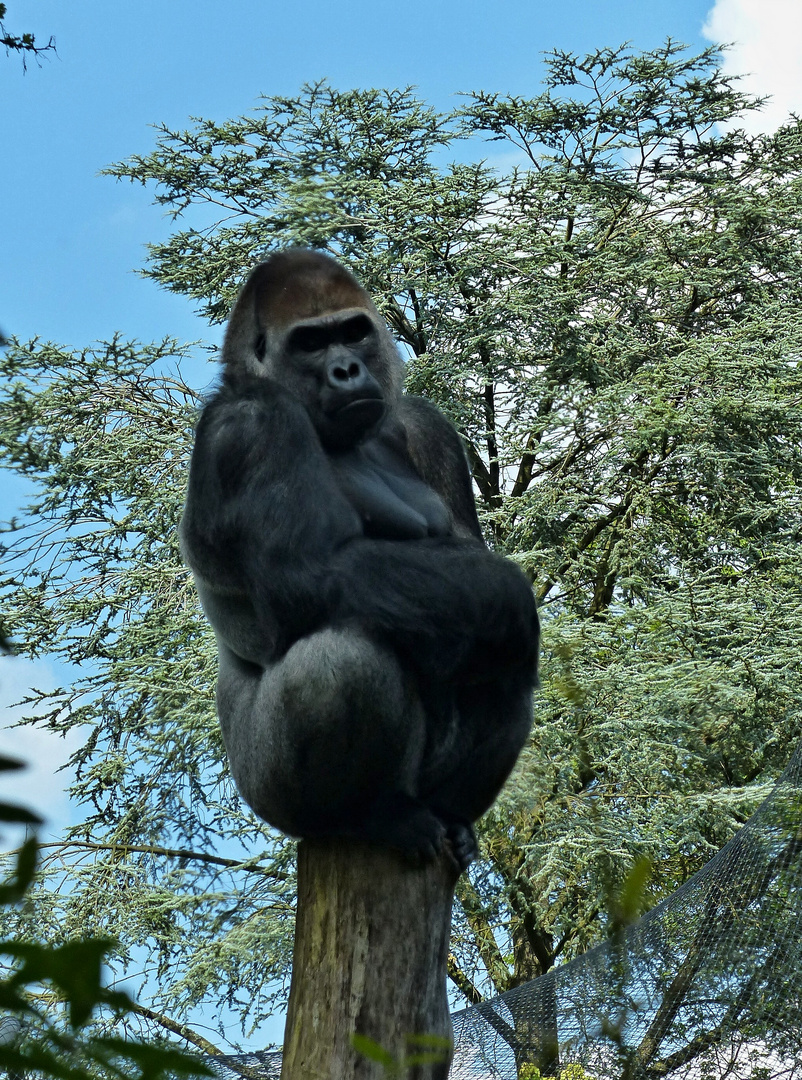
{"points": [[44, 985], [25, 44], [612, 322]]}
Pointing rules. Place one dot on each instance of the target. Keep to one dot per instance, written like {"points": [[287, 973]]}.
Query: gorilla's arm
{"points": [[380, 482], [264, 512], [438, 455], [448, 606], [266, 520]]}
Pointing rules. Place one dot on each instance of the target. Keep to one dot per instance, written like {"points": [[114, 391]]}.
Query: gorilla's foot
{"points": [[403, 823], [462, 842]]}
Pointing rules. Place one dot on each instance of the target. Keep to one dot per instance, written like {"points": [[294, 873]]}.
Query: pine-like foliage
{"points": [[601, 286]]}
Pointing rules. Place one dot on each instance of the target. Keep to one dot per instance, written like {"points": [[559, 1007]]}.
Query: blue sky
{"points": [[71, 241]]}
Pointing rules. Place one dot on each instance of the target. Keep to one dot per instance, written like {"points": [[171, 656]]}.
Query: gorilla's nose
{"points": [[347, 373]]}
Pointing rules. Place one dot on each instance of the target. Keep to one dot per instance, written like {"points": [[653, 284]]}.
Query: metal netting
{"points": [[706, 984], [261, 1065]]}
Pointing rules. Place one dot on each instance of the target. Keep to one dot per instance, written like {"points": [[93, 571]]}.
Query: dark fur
{"points": [[376, 660]]}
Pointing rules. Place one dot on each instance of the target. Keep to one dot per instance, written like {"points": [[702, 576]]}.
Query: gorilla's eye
{"points": [[309, 339], [260, 346], [356, 329]]}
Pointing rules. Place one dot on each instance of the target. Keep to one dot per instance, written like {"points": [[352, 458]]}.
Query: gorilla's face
{"points": [[334, 365], [305, 322]]}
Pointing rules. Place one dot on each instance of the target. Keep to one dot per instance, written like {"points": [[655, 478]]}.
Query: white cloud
{"points": [[39, 787], [767, 51]]}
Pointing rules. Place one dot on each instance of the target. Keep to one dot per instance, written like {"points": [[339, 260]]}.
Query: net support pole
{"points": [[371, 951]]}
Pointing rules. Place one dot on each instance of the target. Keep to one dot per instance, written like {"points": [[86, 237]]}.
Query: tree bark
{"points": [[371, 948]]}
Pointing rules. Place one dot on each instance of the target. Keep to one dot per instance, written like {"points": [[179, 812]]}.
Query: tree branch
{"points": [[181, 1030], [486, 944], [462, 982], [170, 853]]}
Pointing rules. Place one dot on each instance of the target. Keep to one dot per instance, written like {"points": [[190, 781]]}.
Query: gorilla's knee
{"points": [[348, 713], [340, 677], [335, 723]]}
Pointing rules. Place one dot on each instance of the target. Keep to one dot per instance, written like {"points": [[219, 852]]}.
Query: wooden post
{"points": [[371, 948]]}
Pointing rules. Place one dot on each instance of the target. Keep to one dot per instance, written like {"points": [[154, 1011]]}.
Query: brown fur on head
{"points": [[299, 284], [289, 287]]}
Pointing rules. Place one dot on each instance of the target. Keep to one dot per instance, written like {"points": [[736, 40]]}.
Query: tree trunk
{"points": [[371, 946]]}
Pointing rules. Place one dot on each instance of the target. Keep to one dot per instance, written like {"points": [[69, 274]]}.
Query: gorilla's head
{"points": [[305, 322]]}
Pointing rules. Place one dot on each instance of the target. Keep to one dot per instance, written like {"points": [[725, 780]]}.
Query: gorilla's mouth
{"points": [[350, 423], [359, 415]]}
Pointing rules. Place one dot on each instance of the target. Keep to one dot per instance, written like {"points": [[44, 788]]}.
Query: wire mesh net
{"points": [[708, 984], [261, 1065]]}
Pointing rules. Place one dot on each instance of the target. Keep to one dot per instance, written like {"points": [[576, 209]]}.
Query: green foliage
{"points": [[632, 899], [41, 978], [568, 1072], [74, 970], [421, 1050], [605, 297]]}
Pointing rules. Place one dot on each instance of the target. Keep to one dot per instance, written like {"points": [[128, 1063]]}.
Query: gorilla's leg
{"points": [[493, 723], [329, 740]]}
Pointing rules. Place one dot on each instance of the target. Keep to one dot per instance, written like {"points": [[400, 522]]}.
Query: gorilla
{"points": [[377, 661]]}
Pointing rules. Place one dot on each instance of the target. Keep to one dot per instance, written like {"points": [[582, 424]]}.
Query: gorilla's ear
{"points": [[245, 342]]}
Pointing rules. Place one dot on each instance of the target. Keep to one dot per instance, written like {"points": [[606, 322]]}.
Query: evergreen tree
{"points": [[605, 299]]}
